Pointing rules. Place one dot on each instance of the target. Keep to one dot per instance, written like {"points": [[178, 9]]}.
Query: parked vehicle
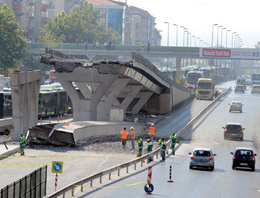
{"points": [[239, 89], [233, 131], [255, 89], [243, 157], [202, 157], [235, 106]]}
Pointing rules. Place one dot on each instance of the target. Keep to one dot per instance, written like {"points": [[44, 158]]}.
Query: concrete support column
{"points": [[25, 88], [178, 69], [91, 87], [133, 91], [144, 97], [105, 104]]}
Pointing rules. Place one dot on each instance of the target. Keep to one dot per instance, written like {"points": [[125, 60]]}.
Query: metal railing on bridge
{"points": [[74, 46]]}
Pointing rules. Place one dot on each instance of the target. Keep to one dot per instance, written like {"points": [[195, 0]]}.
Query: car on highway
{"points": [[243, 157], [248, 81], [239, 89], [233, 131], [255, 89], [235, 106], [202, 158]]}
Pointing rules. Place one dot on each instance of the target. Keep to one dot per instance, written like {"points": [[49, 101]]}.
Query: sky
{"points": [[198, 16]]}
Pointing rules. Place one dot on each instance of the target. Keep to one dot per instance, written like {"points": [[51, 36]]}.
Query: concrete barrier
{"points": [[205, 110], [134, 162]]}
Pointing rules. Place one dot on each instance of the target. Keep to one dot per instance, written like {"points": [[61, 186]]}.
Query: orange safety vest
{"points": [[124, 135], [133, 134], [152, 130]]}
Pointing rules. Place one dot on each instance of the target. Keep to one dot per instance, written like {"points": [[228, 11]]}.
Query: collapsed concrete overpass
{"points": [[101, 90]]}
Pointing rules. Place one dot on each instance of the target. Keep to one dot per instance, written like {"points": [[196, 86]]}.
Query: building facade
{"points": [[31, 15], [140, 27], [135, 25]]}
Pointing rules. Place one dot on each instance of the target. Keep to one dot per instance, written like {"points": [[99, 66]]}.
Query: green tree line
{"points": [[80, 24], [13, 45]]}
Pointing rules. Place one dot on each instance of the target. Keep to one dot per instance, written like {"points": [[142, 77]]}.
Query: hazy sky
{"points": [[199, 15]]}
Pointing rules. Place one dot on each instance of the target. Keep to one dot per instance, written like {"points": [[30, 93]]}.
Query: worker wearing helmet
{"points": [[133, 135], [152, 132], [22, 143]]}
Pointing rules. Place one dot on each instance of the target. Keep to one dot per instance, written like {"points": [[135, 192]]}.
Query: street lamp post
{"points": [[195, 40], [227, 36], [218, 33], [176, 34], [212, 39], [183, 35], [222, 35], [188, 37], [232, 39], [168, 33]]}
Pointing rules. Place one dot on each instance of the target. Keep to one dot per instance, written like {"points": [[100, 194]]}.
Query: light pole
{"points": [[232, 39], [198, 41], [188, 35], [168, 33], [176, 34], [212, 39], [195, 40], [183, 35], [227, 36], [218, 33], [222, 35]]}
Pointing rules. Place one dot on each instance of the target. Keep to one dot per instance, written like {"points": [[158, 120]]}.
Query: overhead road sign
{"points": [[231, 53]]}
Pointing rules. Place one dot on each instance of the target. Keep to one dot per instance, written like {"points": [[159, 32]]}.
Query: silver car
{"points": [[255, 89], [202, 157], [235, 106]]}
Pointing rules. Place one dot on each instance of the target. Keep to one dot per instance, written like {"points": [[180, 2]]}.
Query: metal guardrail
{"points": [[134, 162]]}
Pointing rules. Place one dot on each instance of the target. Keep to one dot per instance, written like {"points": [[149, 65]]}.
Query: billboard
{"points": [[231, 53]]}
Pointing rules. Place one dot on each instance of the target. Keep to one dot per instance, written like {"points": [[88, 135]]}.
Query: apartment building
{"points": [[31, 14], [140, 27]]}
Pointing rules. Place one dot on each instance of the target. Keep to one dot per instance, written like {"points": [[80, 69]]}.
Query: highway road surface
{"points": [[223, 182], [80, 163]]}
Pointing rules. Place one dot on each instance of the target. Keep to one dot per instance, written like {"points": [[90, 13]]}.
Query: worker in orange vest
{"points": [[152, 132], [132, 133], [124, 135]]}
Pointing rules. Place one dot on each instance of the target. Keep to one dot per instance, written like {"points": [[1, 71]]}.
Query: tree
{"points": [[13, 46], [81, 24]]}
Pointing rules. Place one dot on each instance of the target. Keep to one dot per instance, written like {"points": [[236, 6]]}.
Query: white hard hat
{"points": [[152, 124], [132, 128]]}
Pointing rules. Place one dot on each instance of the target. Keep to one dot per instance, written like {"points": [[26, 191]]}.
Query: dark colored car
{"points": [[239, 89], [233, 131], [243, 157]]}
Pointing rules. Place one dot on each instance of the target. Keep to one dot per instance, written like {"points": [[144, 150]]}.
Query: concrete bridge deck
{"points": [[106, 90]]}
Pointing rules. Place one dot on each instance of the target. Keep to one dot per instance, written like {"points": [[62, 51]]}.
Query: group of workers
{"points": [[150, 141]]}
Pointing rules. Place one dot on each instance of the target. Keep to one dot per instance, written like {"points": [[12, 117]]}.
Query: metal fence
{"points": [[30, 186]]}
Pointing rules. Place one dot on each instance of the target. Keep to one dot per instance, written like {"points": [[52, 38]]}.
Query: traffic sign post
{"points": [[57, 167], [148, 188]]}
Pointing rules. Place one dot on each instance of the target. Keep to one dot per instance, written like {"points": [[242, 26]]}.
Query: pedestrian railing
{"points": [[71, 187]]}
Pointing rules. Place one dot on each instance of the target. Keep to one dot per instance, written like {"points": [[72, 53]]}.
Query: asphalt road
{"points": [[79, 163], [223, 181]]}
